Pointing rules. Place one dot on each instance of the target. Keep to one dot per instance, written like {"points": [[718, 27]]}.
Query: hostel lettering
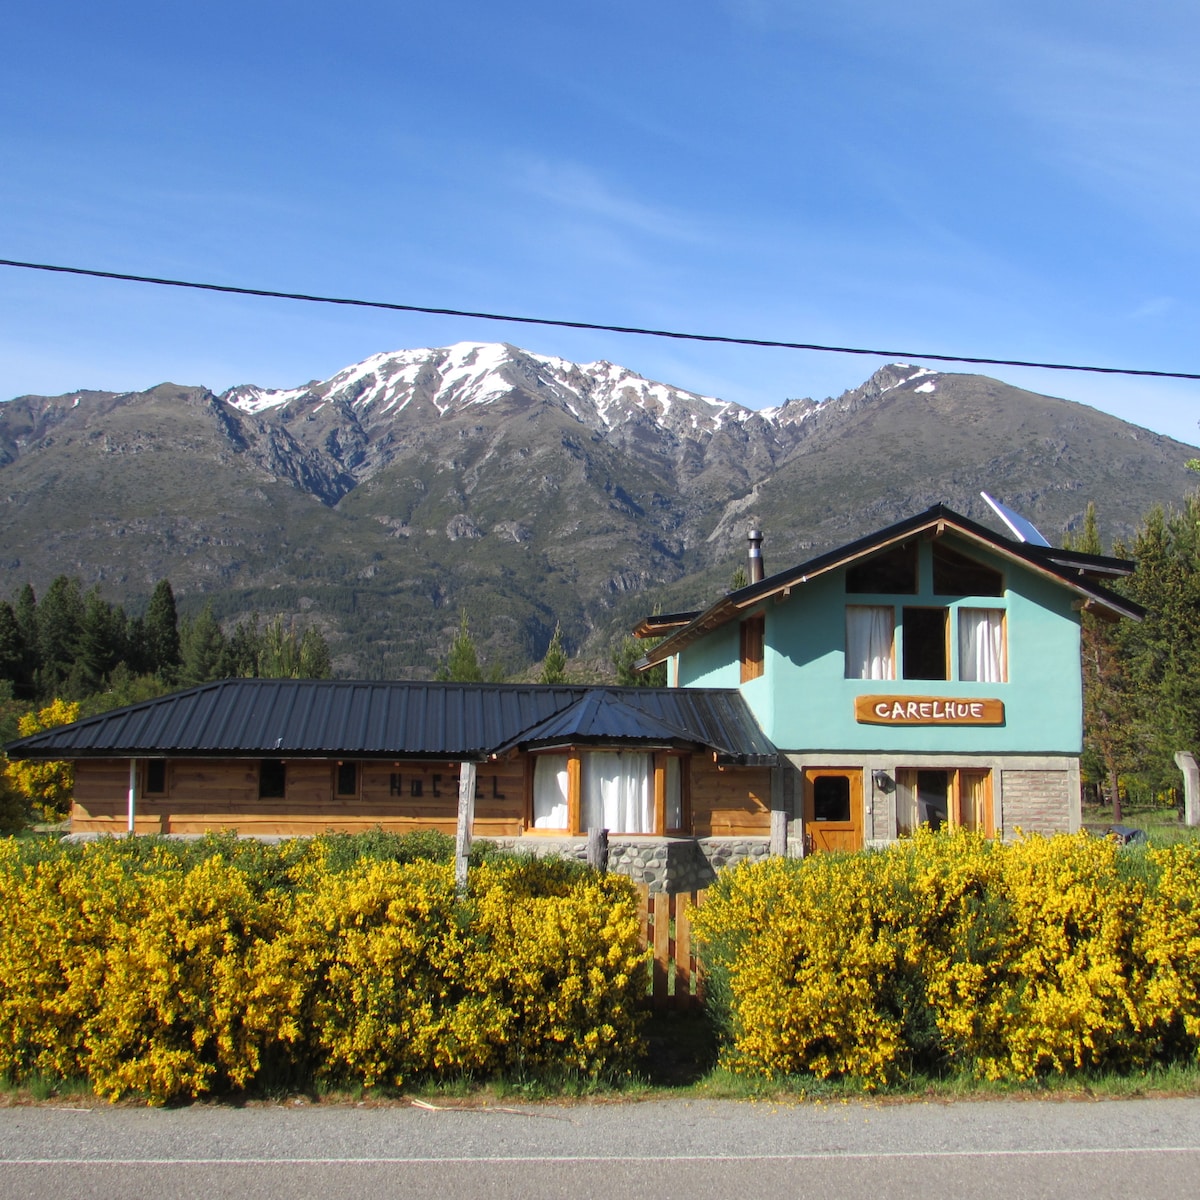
{"points": [[927, 710], [417, 784]]}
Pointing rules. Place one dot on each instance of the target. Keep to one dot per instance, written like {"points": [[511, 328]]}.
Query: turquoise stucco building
{"points": [[929, 672]]}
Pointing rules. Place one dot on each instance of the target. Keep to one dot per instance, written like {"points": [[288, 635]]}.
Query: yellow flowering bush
{"points": [[949, 950], [170, 1014], [46, 785], [381, 974], [565, 970], [171, 970]]}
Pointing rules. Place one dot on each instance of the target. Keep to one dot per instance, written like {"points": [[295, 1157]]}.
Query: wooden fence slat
{"points": [[683, 950], [662, 940], [666, 925]]}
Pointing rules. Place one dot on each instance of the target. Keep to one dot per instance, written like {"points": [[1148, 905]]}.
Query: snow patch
{"points": [[926, 387]]}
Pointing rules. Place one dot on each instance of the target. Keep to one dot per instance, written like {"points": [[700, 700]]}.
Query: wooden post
{"points": [[133, 790], [597, 849], [1185, 760], [779, 814], [466, 822]]}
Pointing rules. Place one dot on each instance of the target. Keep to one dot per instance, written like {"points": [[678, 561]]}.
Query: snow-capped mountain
{"points": [[528, 490], [467, 375]]}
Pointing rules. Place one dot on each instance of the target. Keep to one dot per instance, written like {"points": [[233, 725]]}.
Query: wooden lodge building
{"points": [[927, 673]]}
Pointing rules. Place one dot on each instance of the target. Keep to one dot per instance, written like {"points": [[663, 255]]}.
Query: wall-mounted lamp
{"points": [[883, 782]]}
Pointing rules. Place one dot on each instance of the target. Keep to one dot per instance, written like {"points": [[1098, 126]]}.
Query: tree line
{"points": [[75, 645], [1142, 678]]}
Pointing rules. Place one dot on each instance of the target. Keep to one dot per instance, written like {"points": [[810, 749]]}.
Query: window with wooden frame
{"points": [[870, 641], [154, 777], [955, 574], [753, 633], [926, 644], [623, 791], [346, 776], [272, 779], [891, 572], [982, 645], [960, 798]]}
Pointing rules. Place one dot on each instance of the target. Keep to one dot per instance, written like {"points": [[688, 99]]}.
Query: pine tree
{"points": [[26, 613], [12, 645], [59, 625], [315, 662], [202, 649], [1107, 708], [241, 651], [627, 653], [162, 633], [554, 665], [462, 663], [1162, 653], [101, 641]]}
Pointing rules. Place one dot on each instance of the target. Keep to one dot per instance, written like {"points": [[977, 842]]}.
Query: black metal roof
{"points": [[1074, 569], [308, 718]]}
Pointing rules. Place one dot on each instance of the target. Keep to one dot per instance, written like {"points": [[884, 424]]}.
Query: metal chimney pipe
{"points": [[756, 559]]}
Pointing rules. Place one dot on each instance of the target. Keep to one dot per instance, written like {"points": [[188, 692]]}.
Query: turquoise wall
{"points": [[804, 702]]}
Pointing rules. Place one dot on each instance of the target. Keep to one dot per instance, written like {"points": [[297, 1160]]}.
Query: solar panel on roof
{"points": [[1021, 527]]}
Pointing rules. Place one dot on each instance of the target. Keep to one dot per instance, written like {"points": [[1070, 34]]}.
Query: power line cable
{"points": [[561, 324]]}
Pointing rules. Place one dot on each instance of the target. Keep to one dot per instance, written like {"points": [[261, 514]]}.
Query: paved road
{"points": [[694, 1150]]}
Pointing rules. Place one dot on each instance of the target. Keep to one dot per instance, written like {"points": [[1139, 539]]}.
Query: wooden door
{"points": [[833, 808]]}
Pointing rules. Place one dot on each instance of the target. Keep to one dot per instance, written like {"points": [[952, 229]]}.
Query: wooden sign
{"points": [[927, 710]]}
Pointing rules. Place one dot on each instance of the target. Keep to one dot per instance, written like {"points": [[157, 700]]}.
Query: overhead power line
{"points": [[723, 339]]}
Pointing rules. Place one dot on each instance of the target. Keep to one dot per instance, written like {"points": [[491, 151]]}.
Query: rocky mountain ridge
{"points": [[533, 490]]}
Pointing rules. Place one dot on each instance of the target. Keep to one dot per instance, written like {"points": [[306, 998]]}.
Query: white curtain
{"points": [[618, 792], [674, 794], [981, 644], [550, 791], [869, 632]]}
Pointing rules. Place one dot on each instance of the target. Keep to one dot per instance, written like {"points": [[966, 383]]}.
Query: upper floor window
{"points": [[981, 645], [955, 574], [925, 638], [890, 572], [870, 638], [753, 631], [926, 645]]}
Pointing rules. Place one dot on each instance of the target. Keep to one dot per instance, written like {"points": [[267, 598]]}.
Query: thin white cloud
{"points": [[581, 192]]}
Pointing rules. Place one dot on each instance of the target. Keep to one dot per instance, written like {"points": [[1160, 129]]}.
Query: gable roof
{"points": [[309, 718], [1072, 569]]}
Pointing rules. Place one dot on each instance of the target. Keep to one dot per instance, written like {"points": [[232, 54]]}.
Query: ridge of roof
{"points": [[591, 719], [1071, 568]]}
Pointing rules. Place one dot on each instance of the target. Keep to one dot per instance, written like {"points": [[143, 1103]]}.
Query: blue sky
{"points": [[1006, 179]]}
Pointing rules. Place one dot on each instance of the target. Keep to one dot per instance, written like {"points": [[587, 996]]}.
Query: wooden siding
{"points": [[730, 801], [207, 795], [215, 794]]}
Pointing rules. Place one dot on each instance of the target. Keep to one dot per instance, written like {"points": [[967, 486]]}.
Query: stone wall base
{"points": [[664, 864]]}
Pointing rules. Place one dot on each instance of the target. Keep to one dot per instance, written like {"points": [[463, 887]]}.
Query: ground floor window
{"points": [[272, 779], [953, 797], [623, 791], [155, 781], [345, 780]]}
